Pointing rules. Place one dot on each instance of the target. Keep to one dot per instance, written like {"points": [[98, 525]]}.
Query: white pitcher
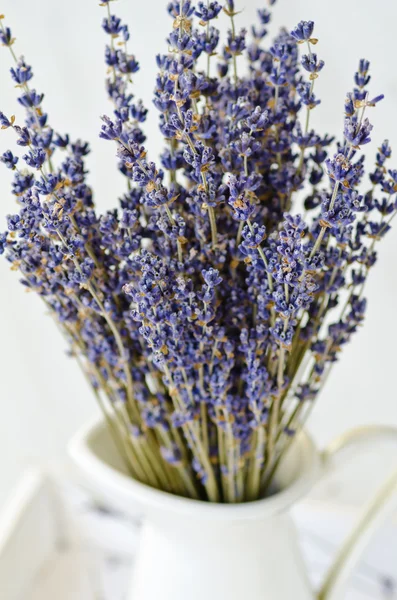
{"points": [[193, 550]]}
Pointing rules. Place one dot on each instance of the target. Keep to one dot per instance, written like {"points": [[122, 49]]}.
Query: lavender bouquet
{"points": [[206, 310]]}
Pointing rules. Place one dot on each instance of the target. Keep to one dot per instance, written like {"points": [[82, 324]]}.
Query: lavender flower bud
{"points": [[9, 159], [207, 12], [22, 73], [303, 31]]}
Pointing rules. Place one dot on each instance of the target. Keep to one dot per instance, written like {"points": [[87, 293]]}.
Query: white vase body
{"points": [[192, 550], [257, 560]]}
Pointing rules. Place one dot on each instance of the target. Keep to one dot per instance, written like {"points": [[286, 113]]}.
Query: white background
{"points": [[43, 397]]}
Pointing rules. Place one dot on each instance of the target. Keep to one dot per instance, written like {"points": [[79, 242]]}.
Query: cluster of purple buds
{"points": [[209, 306]]}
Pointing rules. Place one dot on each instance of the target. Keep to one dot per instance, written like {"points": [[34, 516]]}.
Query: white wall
{"points": [[43, 397]]}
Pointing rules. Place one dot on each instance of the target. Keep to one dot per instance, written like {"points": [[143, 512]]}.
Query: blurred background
{"points": [[43, 396]]}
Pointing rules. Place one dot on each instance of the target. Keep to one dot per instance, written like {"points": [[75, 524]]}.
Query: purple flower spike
{"points": [[232, 259]]}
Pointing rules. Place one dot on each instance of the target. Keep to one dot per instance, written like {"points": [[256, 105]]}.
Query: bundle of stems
{"points": [[209, 308]]}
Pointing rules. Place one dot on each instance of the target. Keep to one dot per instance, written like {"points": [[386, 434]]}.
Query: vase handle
{"points": [[377, 510]]}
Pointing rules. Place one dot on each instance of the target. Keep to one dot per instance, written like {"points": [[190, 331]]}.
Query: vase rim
{"points": [[123, 489]]}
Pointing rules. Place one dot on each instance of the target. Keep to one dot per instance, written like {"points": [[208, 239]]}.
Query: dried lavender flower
{"points": [[208, 308]]}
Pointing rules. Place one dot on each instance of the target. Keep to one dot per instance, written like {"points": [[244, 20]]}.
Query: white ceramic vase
{"points": [[192, 550]]}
